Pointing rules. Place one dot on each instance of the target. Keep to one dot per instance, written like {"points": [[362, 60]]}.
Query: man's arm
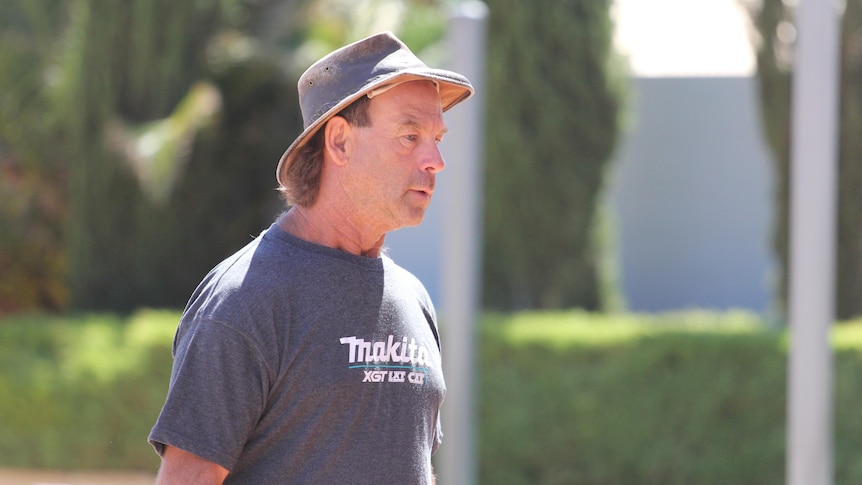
{"points": [[182, 467]]}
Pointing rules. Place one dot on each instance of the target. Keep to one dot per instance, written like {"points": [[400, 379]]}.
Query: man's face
{"points": [[393, 161]]}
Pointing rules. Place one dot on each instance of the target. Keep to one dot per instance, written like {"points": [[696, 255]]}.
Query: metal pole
{"points": [[462, 234], [812, 244]]}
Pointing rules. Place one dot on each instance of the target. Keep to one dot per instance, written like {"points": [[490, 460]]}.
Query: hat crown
{"points": [[350, 69], [348, 73]]}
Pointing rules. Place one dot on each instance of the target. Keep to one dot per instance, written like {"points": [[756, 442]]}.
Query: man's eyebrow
{"points": [[410, 121]]}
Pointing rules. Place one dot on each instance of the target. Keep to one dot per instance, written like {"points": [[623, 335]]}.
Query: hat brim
{"points": [[453, 90]]}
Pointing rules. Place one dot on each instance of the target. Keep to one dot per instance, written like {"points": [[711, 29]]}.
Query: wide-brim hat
{"points": [[353, 71]]}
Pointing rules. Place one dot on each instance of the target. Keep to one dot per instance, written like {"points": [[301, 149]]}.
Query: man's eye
{"points": [[411, 137]]}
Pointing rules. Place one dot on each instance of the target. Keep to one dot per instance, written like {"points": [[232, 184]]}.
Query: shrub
{"points": [[82, 392], [691, 398], [563, 397]]}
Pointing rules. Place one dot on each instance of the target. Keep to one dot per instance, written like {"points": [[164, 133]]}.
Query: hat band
{"points": [[386, 87]]}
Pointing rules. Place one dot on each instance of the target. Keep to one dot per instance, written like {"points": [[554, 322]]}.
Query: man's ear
{"points": [[337, 139]]}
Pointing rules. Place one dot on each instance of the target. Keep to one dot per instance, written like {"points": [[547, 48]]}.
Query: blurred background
{"points": [[635, 220]]}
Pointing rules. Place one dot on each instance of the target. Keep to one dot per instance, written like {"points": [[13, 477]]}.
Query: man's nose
{"points": [[433, 160]]}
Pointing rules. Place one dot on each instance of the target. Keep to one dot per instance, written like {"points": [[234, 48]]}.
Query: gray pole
{"points": [[812, 244], [462, 234]]}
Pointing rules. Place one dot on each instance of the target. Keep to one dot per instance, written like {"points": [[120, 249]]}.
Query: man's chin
{"points": [[414, 218]]}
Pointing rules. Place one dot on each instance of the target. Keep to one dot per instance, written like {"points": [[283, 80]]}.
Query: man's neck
{"points": [[314, 224]]}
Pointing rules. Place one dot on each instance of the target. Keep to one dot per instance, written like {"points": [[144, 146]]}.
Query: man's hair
{"points": [[303, 175]]}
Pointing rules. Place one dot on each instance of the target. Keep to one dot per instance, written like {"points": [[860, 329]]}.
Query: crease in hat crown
{"points": [[348, 73]]}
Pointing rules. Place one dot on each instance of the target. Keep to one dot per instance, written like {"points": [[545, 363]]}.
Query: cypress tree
{"points": [[552, 123], [773, 21]]}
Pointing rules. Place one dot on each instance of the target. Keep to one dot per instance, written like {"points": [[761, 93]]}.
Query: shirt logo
{"points": [[389, 360]]}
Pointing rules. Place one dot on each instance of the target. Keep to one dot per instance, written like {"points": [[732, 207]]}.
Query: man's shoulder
{"points": [[263, 260], [405, 279], [243, 281]]}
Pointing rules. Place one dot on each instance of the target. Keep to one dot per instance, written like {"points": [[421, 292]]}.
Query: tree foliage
{"points": [[144, 136], [171, 153], [165, 120], [32, 193], [774, 41], [554, 101]]}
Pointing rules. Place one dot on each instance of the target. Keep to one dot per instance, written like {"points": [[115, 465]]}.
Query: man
{"points": [[309, 356]]}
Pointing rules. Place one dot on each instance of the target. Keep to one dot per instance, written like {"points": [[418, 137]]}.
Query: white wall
{"points": [[692, 194]]}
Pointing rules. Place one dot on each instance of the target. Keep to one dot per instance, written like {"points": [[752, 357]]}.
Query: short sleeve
{"points": [[438, 435], [217, 393]]}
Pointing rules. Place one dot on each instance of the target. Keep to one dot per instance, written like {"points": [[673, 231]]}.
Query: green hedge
{"points": [[687, 398], [82, 392], [564, 397]]}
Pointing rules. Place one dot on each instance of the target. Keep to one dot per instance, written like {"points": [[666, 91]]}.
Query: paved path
{"points": [[28, 477]]}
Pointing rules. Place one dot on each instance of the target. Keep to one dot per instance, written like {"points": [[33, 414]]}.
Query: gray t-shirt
{"points": [[297, 363]]}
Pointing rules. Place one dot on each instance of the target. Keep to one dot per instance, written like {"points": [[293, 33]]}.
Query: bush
{"points": [[563, 397], [32, 193], [83, 392], [691, 398]]}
